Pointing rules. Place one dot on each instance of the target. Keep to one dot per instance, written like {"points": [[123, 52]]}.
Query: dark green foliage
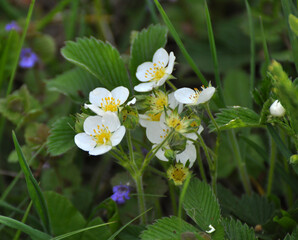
{"points": [[100, 59]]}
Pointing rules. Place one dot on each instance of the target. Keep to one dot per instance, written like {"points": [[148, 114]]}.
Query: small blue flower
{"points": [[12, 26], [121, 193], [27, 58]]}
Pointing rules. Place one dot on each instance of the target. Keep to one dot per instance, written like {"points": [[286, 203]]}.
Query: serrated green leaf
{"points": [[201, 204], [167, 229], [293, 236], [144, 46], [235, 117], [33, 188], [63, 215], [100, 59], [236, 231], [61, 137], [76, 83], [33, 233], [254, 209]]}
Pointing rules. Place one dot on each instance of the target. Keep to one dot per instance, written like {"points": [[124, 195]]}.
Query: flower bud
{"points": [[276, 109]]}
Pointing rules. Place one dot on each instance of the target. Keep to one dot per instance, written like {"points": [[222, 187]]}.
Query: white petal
{"points": [[111, 121], [155, 133], [206, 95], [189, 153], [142, 70], [120, 93], [183, 95], [162, 80], [132, 101], [192, 136], [100, 150], [160, 154], [84, 141], [170, 67], [91, 123], [161, 57], [144, 120], [118, 135], [95, 109], [144, 87], [97, 96], [200, 130]]}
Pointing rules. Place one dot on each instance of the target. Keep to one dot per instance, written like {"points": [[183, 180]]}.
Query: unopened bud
{"points": [[276, 109]]}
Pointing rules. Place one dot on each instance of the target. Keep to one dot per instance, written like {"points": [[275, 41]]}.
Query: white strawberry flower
{"points": [[194, 96], [102, 100], [158, 101], [156, 132], [154, 74], [277, 110], [101, 134]]}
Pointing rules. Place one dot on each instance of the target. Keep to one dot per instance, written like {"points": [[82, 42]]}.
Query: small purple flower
{"points": [[12, 26], [121, 193], [27, 58]]}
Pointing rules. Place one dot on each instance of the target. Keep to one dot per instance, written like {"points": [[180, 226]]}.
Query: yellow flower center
{"points": [[156, 73], [175, 122], [154, 116], [196, 95], [178, 173], [110, 104], [102, 135]]}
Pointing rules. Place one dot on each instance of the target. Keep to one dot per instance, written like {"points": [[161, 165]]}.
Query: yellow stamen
{"points": [[110, 104], [102, 136], [178, 173]]}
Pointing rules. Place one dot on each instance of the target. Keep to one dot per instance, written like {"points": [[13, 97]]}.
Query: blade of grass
{"points": [[213, 53], [79, 231], [265, 48], [252, 47], [10, 10], [33, 233], [180, 44], [33, 188], [152, 11], [15, 180], [24, 219], [71, 23], [48, 18], [116, 233]]}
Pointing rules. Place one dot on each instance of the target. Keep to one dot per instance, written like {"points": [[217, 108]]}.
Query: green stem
{"points": [[212, 166], [141, 198], [240, 163], [173, 197], [182, 195], [252, 47], [214, 54], [129, 143], [151, 154], [272, 165], [200, 163], [211, 117], [171, 85]]}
